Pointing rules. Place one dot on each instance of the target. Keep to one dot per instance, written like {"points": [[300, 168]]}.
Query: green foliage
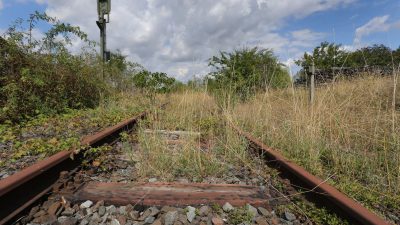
{"points": [[328, 55], [376, 55], [157, 82], [325, 56], [240, 215], [41, 76], [46, 135], [243, 72]]}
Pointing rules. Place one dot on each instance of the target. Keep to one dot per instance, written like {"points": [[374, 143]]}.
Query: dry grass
{"points": [[352, 132], [193, 158]]}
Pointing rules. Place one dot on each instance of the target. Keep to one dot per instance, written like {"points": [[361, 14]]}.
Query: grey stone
{"points": [[97, 205], [102, 210], [170, 217], [264, 212], [144, 214], [61, 219], [261, 221], [86, 204], [3, 174], [149, 220], [78, 216], [122, 219], [165, 209], [84, 221], [68, 212], [134, 215], [233, 180], [227, 207], [252, 210], [290, 216], [152, 180], [69, 221], [89, 211], [95, 217], [183, 180], [114, 222], [204, 210], [111, 209], [154, 211], [122, 210], [285, 222], [191, 213]]}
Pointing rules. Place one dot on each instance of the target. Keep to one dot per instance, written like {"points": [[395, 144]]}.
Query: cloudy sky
{"points": [[178, 36]]}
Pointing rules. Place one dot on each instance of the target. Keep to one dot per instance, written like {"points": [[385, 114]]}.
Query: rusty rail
{"points": [[20, 190], [354, 210]]}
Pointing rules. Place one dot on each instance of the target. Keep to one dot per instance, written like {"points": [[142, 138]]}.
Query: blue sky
{"points": [[340, 24], [178, 36]]}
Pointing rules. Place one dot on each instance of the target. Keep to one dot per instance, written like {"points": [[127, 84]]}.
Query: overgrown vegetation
{"points": [[49, 98], [206, 146], [40, 75], [349, 136], [151, 83], [332, 60], [244, 72], [46, 135]]}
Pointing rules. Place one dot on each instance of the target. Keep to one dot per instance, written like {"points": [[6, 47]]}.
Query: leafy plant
{"points": [[244, 72]]}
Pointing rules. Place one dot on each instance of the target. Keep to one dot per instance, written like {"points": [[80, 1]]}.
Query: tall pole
{"points": [[102, 24], [103, 7], [102, 33]]}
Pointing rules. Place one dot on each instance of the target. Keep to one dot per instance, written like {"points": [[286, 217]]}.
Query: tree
{"points": [[245, 71], [325, 56], [151, 83], [376, 55]]}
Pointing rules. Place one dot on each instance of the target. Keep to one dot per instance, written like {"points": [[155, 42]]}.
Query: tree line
{"points": [[331, 60]]}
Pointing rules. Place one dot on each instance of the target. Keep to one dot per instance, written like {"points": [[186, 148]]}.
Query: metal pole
{"points": [[104, 39], [101, 26], [312, 84]]}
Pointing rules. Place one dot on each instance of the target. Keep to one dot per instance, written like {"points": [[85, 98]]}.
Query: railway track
{"points": [[73, 188]]}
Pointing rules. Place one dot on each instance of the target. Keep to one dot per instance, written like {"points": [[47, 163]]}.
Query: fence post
{"points": [[312, 84]]}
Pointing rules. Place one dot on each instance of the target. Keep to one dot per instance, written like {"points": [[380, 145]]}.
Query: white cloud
{"points": [[178, 36], [306, 38], [1, 4], [376, 24]]}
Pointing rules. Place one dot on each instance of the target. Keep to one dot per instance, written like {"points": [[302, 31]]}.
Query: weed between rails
{"points": [[204, 145], [200, 159]]}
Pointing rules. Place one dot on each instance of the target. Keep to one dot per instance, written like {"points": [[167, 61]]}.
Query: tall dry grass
{"points": [[351, 134], [192, 158]]}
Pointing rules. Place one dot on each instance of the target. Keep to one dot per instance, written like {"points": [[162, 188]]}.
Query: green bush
{"points": [[244, 72], [43, 77]]}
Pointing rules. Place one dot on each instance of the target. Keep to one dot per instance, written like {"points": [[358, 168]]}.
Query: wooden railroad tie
{"points": [[170, 194]]}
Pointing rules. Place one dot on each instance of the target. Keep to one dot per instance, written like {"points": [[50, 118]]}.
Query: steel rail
{"points": [[23, 188], [354, 210]]}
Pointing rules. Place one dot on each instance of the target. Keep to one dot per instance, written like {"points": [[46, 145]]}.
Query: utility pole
{"points": [[312, 83], [103, 10]]}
